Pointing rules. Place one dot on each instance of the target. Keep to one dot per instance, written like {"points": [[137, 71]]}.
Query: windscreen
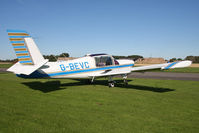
{"points": [[103, 61]]}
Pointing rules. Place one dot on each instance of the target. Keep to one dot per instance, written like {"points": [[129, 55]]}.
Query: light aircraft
{"points": [[31, 63]]}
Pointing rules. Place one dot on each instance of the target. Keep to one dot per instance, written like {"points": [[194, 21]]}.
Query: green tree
{"points": [[172, 60], [179, 59], [135, 57], [119, 57], [132, 57], [54, 57], [194, 59], [64, 55], [50, 57]]}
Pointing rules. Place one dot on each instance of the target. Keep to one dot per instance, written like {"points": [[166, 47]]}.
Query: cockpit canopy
{"points": [[103, 60], [93, 55]]}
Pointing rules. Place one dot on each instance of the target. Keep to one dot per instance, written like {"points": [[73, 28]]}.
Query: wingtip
{"points": [[188, 62]]}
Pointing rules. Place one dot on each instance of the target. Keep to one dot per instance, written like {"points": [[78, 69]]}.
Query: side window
{"points": [[109, 61], [98, 61], [116, 62], [103, 61]]}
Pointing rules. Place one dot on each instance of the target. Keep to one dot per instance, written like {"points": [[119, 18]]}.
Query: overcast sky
{"points": [[151, 28]]}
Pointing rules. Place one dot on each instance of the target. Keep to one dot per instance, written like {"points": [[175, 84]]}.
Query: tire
{"points": [[111, 85]]}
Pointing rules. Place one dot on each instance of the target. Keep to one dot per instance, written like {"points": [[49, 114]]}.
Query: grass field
{"points": [[181, 70], [144, 106], [5, 65]]}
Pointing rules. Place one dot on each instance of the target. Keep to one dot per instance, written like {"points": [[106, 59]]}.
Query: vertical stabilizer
{"points": [[25, 48], [29, 57]]}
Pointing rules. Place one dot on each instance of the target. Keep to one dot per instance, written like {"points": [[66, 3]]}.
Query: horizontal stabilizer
{"points": [[19, 68]]}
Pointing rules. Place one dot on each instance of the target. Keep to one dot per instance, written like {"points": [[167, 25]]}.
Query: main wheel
{"points": [[111, 84]]}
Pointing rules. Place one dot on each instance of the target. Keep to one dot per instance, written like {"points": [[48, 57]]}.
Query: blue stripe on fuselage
{"points": [[87, 70], [37, 74]]}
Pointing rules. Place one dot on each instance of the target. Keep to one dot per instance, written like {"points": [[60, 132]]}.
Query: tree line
{"points": [[54, 57], [49, 57], [7, 60], [132, 57], [194, 59]]}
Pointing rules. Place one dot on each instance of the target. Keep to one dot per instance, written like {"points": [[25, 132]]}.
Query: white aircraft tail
{"points": [[27, 52]]}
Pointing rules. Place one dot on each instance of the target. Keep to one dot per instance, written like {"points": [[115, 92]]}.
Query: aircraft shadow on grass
{"points": [[50, 86]]}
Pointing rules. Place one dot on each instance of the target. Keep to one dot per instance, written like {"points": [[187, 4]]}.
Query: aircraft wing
{"points": [[165, 66]]}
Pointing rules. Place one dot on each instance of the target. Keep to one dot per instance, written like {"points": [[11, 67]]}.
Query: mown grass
{"points": [[52, 105], [5, 65], [184, 70], [179, 70]]}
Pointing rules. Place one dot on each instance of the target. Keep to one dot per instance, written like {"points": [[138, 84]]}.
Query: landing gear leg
{"points": [[111, 83], [125, 79], [90, 81]]}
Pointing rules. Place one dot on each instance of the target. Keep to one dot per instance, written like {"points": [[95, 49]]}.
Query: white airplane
{"points": [[31, 63]]}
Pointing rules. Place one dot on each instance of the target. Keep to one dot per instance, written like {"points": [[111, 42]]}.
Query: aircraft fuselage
{"points": [[84, 67]]}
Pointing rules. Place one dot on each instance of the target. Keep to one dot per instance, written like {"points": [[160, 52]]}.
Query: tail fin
{"points": [[29, 56], [25, 48]]}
